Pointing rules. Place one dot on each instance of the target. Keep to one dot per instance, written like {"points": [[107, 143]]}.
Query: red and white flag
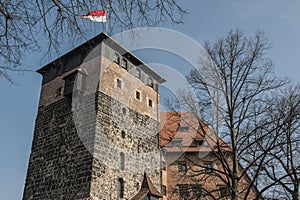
{"points": [[96, 15]]}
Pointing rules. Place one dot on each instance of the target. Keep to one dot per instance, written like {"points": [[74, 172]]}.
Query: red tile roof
{"points": [[194, 136]]}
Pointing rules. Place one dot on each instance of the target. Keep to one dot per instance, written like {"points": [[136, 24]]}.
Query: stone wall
{"points": [[60, 165], [139, 145]]}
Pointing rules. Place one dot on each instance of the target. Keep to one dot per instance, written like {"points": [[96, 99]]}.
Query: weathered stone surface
{"points": [[139, 147], [60, 167]]}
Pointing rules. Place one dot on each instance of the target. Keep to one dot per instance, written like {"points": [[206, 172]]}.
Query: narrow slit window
{"points": [[138, 95], [123, 134], [122, 161], [121, 188], [119, 83], [124, 111], [150, 103]]}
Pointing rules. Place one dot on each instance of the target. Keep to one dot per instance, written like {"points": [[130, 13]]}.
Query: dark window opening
{"points": [[138, 95], [137, 185], [122, 161], [121, 188], [150, 103], [74, 82], [198, 142], [119, 83], [137, 73], [150, 82], [208, 167], [183, 129], [181, 167], [69, 84], [124, 64], [58, 92], [124, 111], [123, 134], [117, 58], [190, 191]]}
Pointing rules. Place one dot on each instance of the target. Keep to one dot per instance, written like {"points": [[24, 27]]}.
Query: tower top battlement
{"points": [[76, 57]]}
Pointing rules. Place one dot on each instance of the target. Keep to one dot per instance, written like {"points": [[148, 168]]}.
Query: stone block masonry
{"points": [[66, 162], [139, 145], [60, 167]]}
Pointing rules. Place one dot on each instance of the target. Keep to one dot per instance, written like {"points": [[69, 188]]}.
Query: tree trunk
{"points": [[295, 193], [235, 186]]}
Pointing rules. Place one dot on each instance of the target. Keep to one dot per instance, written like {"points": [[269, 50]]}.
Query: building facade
{"points": [[193, 165], [97, 128]]}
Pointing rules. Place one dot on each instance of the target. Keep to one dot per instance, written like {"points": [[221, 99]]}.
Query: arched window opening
{"points": [[121, 188]]}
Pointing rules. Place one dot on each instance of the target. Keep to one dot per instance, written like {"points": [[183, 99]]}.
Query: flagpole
{"points": [[106, 24]]}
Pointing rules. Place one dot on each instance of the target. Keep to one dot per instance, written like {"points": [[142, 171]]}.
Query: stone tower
{"points": [[97, 128]]}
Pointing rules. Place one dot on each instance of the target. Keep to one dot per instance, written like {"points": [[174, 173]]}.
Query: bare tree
{"points": [[25, 23], [281, 171], [232, 86]]}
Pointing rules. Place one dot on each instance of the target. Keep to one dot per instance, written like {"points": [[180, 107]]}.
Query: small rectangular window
{"points": [[181, 167], [208, 167], [150, 82], [124, 64], [138, 95], [150, 103], [183, 129], [69, 84], [119, 83], [117, 58], [198, 142], [137, 73], [58, 92]]}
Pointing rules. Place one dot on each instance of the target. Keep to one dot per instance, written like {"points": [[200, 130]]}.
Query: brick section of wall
{"points": [[111, 71], [59, 165], [195, 174]]}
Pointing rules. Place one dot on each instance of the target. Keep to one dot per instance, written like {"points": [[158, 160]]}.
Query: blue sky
{"points": [[207, 20]]}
